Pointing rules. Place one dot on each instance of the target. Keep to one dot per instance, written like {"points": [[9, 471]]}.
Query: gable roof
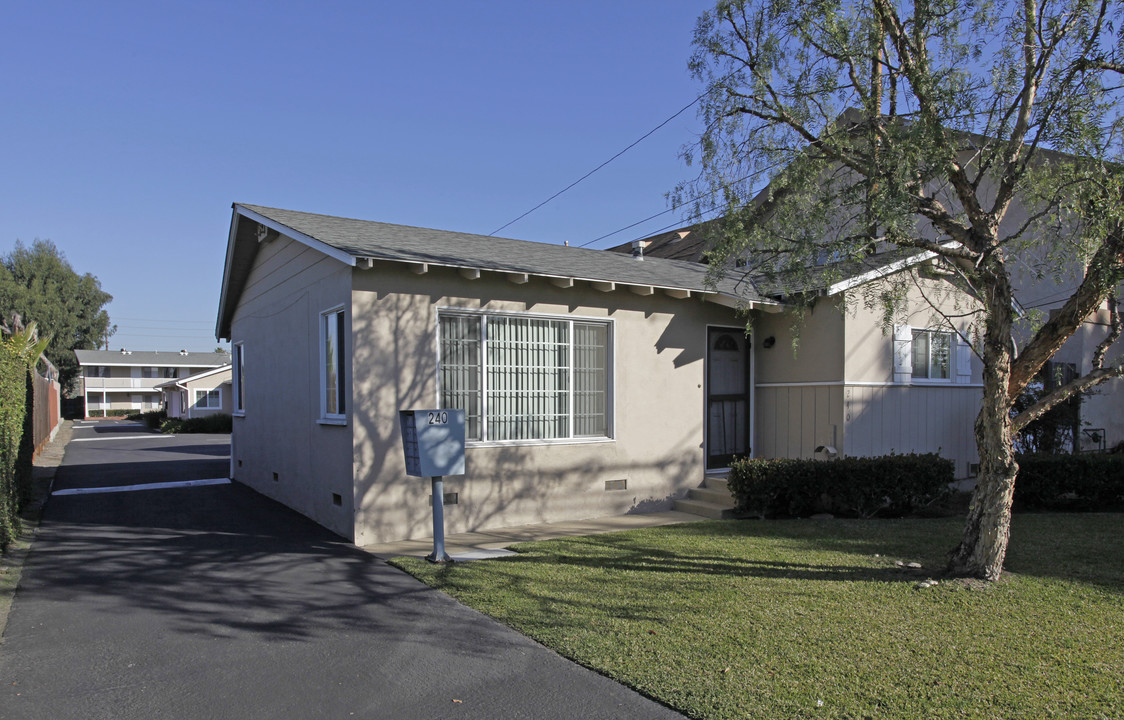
{"points": [[151, 359], [198, 376], [356, 242]]}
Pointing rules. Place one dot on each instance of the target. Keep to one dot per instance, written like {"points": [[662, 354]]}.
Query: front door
{"points": [[727, 396]]}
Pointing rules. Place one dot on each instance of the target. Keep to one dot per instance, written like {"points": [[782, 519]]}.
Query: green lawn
{"points": [[815, 619]]}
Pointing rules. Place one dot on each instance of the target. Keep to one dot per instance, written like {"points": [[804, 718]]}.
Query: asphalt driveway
{"points": [[211, 601]]}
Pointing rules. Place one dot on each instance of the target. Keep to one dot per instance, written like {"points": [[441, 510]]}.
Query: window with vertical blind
{"points": [[333, 404], [521, 377]]}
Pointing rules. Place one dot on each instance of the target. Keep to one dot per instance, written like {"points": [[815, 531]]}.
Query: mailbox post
{"points": [[433, 444]]}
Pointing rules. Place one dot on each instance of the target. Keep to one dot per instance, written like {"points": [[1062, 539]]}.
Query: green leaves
{"points": [[38, 283]]}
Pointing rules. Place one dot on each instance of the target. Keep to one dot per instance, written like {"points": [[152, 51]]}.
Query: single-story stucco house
{"points": [[205, 393], [594, 383]]}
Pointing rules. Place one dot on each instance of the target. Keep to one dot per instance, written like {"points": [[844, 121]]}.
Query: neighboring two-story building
{"points": [[126, 381]]}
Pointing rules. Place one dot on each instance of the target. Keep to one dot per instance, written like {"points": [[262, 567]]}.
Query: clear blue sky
{"points": [[129, 128]]}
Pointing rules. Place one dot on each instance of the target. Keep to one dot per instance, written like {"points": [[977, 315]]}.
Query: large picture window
{"points": [[332, 403], [525, 377], [932, 354]]}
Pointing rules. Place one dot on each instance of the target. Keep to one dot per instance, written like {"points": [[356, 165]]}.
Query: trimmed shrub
{"points": [[119, 413], [1070, 482], [217, 423], [13, 408], [154, 419], [888, 486]]}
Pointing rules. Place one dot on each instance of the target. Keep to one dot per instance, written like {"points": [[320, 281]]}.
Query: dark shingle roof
{"points": [[385, 241]]}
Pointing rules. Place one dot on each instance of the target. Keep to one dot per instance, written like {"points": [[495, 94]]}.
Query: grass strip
{"points": [[798, 619]]}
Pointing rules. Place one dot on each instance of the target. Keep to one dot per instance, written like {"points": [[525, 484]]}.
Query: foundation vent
{"points": [[450, 499], [621, 484]]}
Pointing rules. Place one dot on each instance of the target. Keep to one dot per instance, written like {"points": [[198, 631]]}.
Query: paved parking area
{"points": [[211, 601]]}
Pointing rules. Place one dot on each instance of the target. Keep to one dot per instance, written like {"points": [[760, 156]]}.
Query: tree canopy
{"points": [[987, 133], [39, 284]]}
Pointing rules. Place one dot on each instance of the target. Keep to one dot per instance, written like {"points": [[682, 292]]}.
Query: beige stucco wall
{"points": [[883, 416], [838, 389], [279, 447], [658, 400], [220, 381]]}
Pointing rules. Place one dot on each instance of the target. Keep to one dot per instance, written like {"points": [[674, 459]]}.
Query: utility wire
{"points": [[622, 152]]}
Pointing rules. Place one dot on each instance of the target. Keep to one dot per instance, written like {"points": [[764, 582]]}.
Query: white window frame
{"points": [[238, 383], [333, 322], [959, 357], [949, 359], [205, 395], [610, 375]]}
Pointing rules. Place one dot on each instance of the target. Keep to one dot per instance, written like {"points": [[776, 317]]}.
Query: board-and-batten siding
{"points": [[912, 418], [864, 420], [792, 421]]}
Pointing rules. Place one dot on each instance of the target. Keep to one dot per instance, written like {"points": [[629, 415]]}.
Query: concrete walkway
{"points": [[207, 601], [477, 545]]}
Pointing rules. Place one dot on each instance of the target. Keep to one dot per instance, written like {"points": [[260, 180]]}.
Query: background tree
{"points": [[988, 133], [38, 283]]}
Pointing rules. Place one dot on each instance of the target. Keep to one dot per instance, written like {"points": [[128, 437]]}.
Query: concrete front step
{"points": [[712, 500], [716, 482], [701, 508], [721, 498]]}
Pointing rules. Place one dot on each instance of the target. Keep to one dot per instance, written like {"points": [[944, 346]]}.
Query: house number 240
{"points": [[438, 418]]}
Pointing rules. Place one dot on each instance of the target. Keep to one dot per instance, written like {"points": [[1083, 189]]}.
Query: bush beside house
{"points": [[1070, 482], [888, 486]]}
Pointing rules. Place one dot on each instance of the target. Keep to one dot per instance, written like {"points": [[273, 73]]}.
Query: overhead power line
{"points": [[622, 152]]}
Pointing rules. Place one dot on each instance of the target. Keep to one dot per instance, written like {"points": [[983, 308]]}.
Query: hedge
{"points": [[214, 423], [118, 413], [888, 486], [13, 410], [1070, 482]]}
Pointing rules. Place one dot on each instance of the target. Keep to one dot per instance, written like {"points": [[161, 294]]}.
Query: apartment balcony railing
{"points": [[96, 383]]}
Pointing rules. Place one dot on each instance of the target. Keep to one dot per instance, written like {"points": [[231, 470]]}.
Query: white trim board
{"points": [[148, 486]]}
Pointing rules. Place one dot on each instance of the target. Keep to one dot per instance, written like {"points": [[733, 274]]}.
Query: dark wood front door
{"points": [[727, 396]]}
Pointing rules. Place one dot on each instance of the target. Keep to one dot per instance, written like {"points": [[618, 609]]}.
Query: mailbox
{"points": [[433, 442]]}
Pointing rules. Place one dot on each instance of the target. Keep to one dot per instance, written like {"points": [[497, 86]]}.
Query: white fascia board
{"points": [[332, 252], [890, 269], [877, 273], [223, 293]]}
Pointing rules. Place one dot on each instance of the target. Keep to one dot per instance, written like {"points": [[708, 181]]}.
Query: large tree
{"points": [[39, 284], [986, 132]]}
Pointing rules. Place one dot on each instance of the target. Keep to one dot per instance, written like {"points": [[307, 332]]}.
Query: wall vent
{"points": [[621, 484], [275, 478], [973, 469], [337, 499], [450, 499]]}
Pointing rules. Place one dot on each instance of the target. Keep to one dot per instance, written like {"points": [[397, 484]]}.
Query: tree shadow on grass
{"points": [[1082, 548]]}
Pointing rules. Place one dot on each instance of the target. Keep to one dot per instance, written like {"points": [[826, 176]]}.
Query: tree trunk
{"points": [[981, 552]]}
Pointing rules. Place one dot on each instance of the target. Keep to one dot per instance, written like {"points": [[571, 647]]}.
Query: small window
{"points": [[932, 353], [239, 378], [208, 399], [150, 372], [333, 405], [169, 372], [97, 371]]}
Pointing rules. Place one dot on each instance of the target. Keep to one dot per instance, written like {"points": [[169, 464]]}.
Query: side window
{"points": [[931, 354], [239, 378], [333, 404]]}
